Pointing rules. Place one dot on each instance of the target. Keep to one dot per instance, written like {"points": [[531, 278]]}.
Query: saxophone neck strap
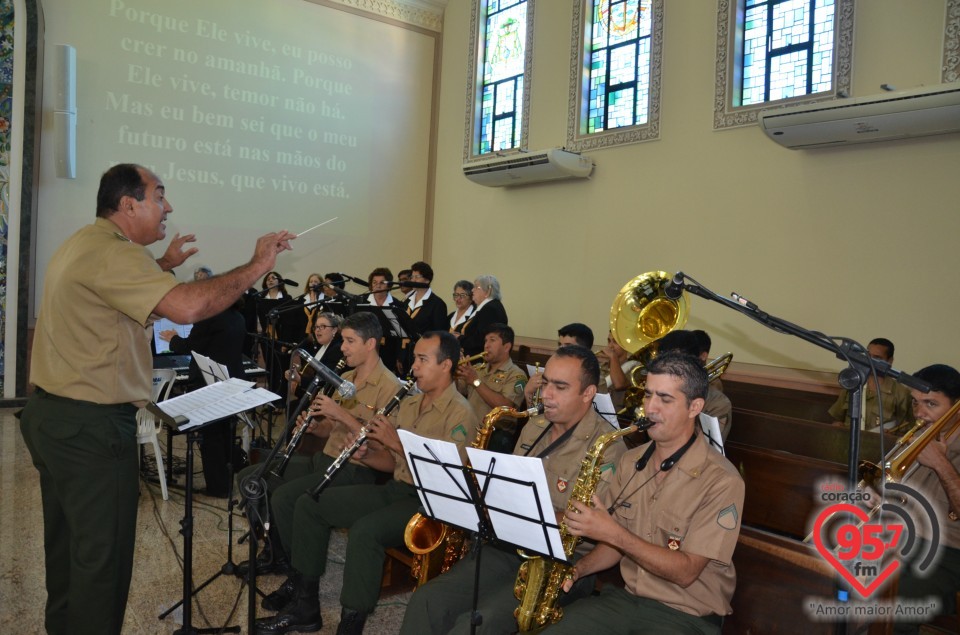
{"points": [[671, 460]]}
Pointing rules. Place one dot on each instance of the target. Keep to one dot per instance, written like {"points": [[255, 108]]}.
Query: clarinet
{"points": [[361, 439], [297, 436]]}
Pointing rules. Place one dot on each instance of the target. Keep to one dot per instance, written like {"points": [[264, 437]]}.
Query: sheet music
{"points": [[212, 371], [519, 498], [448, 497], [603, 404], [216, 401], [711, 430], [534, 370]]}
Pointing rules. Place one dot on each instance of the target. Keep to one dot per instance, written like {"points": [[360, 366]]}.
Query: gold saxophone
{"points": [[435, 545], [539, 579]]}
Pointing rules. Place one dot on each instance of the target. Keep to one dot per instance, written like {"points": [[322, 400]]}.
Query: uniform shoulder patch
{"points": [[729, 517]]}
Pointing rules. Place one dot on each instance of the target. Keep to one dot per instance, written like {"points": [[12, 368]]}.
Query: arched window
{"points": [[615, 63], [499, 79]]}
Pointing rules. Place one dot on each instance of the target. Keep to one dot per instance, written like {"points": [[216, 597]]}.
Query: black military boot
{"points": [[351, 622], [271, 559], [281, 597], [300, 615]]}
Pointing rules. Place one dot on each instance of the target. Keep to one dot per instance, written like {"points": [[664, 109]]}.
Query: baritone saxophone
{"points": [[437, 546], [539, 580]]}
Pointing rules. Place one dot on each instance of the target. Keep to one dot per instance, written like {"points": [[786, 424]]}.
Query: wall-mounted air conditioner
{"points": [[528, 167], [897, 115]]}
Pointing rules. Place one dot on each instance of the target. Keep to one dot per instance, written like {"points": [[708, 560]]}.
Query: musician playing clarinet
{"points": [[375, 514], [361, 333]]}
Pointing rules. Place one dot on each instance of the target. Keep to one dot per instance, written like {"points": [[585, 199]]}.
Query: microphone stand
{"points": [[253, 488], [853, 378]]}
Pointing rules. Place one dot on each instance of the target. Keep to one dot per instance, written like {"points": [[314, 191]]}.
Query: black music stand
{"points": [[186, 530], [458, 495], [254, 488]]}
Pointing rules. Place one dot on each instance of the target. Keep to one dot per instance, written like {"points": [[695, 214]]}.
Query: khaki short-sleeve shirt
{"points": [[448, 418], [372, 395], [696, 508], [92, 341], [562, 464], [508, 380]]}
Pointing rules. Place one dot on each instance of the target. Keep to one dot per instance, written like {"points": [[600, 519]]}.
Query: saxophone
{"points": [[435, 545], [539, 579]]}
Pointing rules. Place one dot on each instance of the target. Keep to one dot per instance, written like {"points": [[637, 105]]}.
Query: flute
{"points": [[297, 436], [361, 439]]}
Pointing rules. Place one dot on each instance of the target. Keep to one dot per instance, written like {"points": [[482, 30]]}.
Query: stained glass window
{"points": [[619, 64], [504, 38], [787, 49]]}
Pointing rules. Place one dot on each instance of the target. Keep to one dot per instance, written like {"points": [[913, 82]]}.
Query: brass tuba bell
{"points": [[642, 313]]}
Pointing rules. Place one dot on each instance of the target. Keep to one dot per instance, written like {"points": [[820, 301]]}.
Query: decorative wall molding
{"points": [[951, 43], [725, 115], [427, 14]]}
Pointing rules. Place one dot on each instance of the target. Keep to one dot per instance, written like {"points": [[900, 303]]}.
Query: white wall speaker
{"points": [[65, 131], [65, 109]]}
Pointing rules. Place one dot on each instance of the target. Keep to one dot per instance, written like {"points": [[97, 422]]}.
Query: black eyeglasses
{"points": [[460, 295]]}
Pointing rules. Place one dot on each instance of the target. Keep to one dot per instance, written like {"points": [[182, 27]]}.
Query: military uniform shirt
{"points": [[92, 340], [372, 395], [695, 508], [508, 380], [927, 481], [718, 405], [895, 399], [562, 465], [448, 418]]}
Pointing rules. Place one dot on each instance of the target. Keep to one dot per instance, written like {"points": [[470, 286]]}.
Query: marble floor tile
{"points": [[157, 578]]}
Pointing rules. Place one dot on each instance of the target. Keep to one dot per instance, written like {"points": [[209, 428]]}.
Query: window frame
{"points": [[474, 89], [730, 15], [579, 93]]}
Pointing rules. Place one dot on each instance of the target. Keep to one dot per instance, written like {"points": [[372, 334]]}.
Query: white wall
{"points": [[854, 241], [153, 74]]}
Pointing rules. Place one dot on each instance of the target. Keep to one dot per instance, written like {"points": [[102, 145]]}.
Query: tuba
{"points": [[539, 580], [641, 314], [435, 545]]}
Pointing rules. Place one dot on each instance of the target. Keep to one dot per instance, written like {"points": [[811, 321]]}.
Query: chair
{"points": [[147, 423]]}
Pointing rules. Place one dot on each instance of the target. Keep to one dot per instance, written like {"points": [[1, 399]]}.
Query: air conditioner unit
{"points": [[528, 167], [897, 115]]}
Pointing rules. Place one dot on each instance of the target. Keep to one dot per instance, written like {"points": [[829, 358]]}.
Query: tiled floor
{"points": [[157, 577]]}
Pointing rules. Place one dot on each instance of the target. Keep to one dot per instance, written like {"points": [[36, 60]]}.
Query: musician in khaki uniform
{"points": [[894, 397], [561, 439], [91, 367], [670, 519], [716, 404], [499, 382], [376, 515], [361, 333], [937, 478]]}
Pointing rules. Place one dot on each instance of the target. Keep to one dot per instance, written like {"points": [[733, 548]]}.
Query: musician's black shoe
{"points": [[300, 615], [267, 562], [281, 597], [351, 622]]}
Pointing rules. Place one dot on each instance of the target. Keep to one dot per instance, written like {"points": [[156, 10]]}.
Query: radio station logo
{"points": [[867, 539]]}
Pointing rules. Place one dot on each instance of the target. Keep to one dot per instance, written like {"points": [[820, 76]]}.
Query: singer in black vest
{"points": [[486, 295]]}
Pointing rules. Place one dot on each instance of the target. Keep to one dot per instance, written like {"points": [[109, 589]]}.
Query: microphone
{"points": [[353, 279], [674, 289], [290, 283], [410, 284], [345, 388]]}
